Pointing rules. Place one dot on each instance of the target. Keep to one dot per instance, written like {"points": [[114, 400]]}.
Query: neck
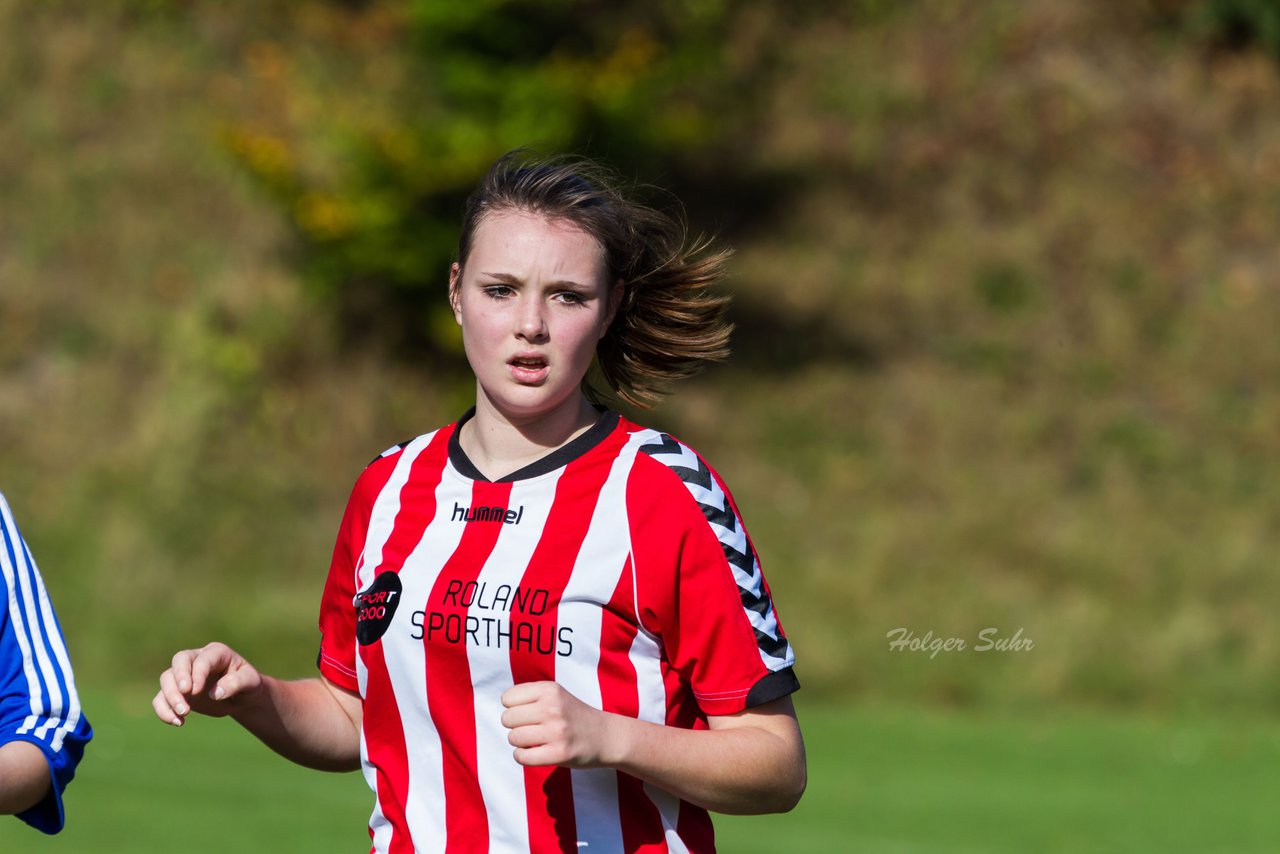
{"points": [[499, 443]]}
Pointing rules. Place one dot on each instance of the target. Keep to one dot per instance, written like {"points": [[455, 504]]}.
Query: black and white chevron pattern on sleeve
{"points": [[774, 649]]}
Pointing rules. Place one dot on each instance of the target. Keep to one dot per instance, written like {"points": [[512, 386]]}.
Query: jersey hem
{"points": [[772, 687], [337, 673], [47, 814]]}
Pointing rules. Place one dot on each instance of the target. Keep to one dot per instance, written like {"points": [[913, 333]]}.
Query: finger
{"points": [[523, 715], [229, 685], [211, 661], [181, 666], [173, 697], [527, 736], [164, 711], [525, 692], [536, 756]]}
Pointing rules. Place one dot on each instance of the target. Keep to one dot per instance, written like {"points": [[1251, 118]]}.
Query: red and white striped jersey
{"points": [[617, 566]]}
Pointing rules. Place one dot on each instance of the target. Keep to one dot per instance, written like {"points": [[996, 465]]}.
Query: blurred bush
{"points": [[1236, 24], [368, 123]]}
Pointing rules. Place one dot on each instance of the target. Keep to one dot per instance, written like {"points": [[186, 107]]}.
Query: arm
{"points": [[24, 777], [309, 721], [746, 763], [43, 730]]}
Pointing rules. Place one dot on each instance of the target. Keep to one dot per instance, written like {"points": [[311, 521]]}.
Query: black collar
{"points": [[555, 459]]}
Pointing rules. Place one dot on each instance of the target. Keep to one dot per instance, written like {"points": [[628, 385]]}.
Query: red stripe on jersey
{"points": [[386, 748], [417, 503], [337, 626], [448, 675], [695, 830], [385, 745], [549, 790], [642, 830], [618, 691]]}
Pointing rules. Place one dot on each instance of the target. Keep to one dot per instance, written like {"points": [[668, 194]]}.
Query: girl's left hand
{"points": [[550, 726]]}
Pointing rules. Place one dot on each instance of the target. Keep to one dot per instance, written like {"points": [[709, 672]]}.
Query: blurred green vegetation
{"points": [[368, 124], [1005, 293], [1236, 23]]}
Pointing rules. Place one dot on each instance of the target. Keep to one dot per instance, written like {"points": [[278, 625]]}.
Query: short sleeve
{"points": [[337, 658], [700, 584], [38, 698]]}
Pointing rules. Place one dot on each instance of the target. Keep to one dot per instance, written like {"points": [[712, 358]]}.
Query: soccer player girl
{"points": [[42, 729], [544, 627]]}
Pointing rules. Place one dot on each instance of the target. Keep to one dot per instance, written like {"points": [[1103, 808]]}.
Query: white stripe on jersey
{"points": [[714, 497], [71, 716], [382, 518], [407, 670], [21, 576], [595, 576], [379, 827], [646, 658], [501, 778], [37, 601], [645, 652], [669, 807], [16, 618], [386, 507]]}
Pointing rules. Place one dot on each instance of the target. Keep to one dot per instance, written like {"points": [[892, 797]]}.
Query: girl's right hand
{"points": [[213, 680]]}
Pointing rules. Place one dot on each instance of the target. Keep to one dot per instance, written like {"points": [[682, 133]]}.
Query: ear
{"points": [[616, 292], [455, 301]]}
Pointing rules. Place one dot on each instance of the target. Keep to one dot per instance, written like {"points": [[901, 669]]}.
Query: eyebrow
{"points": [[508, 279]]}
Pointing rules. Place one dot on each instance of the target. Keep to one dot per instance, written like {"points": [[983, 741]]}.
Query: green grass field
{"points": [[881, 779]]}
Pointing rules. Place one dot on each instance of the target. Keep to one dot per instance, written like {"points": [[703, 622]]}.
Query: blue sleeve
{"points": [[38, 699]]}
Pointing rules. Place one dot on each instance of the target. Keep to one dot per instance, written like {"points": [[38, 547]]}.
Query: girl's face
{"points": [[533, 302]]}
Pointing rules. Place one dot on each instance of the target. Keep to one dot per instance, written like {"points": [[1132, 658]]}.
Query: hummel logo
{"points": [[486, 514]]}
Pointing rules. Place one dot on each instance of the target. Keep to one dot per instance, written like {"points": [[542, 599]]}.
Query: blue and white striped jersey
{"points": [[38, 700]]}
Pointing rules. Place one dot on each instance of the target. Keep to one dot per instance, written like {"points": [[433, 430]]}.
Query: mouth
{"points": [[528, 369]]}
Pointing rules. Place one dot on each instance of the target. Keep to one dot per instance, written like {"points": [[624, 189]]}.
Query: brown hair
{"points": [[669, 321]]}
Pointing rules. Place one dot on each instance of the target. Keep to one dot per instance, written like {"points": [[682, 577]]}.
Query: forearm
{"points": [[740, 770], [24, 776], [303, 721], [310, 721]]}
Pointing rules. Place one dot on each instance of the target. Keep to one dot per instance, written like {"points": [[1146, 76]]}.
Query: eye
{"points": [[570, 298], [498, 291]]}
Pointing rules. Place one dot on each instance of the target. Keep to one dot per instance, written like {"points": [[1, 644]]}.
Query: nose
{"points": [[531, 325]]}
